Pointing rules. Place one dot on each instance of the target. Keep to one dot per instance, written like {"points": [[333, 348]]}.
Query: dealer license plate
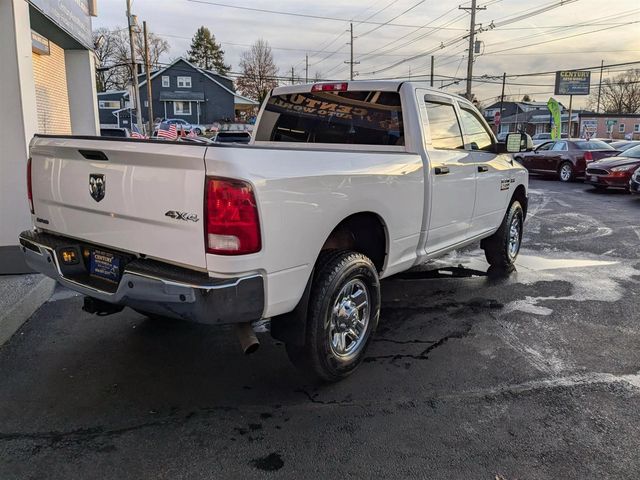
{"points": [[104, 265]]}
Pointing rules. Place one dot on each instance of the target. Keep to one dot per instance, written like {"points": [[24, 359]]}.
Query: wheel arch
{"points": [[365, 232]]}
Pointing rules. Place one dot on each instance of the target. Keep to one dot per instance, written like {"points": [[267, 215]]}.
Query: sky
{"points": [[395, 38]]}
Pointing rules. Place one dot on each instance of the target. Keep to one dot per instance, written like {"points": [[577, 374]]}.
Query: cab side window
{"points": [[443, 125], [476, 136]]}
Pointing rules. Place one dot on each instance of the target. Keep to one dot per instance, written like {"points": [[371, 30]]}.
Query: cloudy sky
{"points": [[396, 38]]}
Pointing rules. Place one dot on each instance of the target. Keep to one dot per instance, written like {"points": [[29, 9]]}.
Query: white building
{"points": [[47, 85]]}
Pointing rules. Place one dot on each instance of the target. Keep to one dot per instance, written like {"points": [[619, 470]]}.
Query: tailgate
{"points": [[140, 197]]}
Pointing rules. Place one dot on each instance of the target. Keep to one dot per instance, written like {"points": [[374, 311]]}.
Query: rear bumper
{"points": [[151, 286]]}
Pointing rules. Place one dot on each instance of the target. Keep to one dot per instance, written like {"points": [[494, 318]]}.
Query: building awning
{"points": [[181, 97]]}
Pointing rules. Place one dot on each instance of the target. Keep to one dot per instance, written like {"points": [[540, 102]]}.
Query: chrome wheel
{"points": [[349, 319], [514, 237], [565, 172]]}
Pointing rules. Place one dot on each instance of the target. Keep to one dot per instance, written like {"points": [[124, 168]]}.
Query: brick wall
{"points": [[52, 98]]}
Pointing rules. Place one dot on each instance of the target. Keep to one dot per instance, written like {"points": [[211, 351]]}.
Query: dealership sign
{"points": [[573, 82], [71, 15]]}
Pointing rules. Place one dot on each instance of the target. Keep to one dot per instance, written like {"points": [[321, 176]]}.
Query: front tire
{"points": [[501, 249], [344, 307], [198, 131]]}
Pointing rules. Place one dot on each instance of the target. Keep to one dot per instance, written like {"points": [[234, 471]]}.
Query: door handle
{"points": [[441, 170], [483, 168]]}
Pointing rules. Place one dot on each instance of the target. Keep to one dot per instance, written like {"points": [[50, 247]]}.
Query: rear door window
{"points": [[359, 118], [559, 146], [443, 125]]}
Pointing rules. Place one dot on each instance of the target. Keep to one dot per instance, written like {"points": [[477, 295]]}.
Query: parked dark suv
{"points": [[567, 159]]}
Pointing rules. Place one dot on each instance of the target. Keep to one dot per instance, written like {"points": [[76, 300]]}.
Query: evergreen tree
{"points": [[206, 53]]}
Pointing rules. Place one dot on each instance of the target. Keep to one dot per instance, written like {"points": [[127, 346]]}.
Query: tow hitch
{"points": [[99, 307]]}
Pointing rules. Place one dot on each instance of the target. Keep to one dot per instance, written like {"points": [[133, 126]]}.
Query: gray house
{"points": [[110, 106], [183, 90]]}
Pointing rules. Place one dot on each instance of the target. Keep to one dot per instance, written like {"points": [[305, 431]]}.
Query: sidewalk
{"points": [[20, 297]]}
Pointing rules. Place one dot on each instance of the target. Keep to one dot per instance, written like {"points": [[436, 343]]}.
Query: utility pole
{"points": [[306, 68], [351, 62], [570, 115], [504, 81], [147, 69], [131, 21], [472, 37], [431, 75], [600, 86], [293, 79]]}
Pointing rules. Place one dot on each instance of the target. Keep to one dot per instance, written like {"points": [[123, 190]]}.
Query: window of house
{"points": [[184, 82], [621, 128], [109, 104], [165, 81], [476, 136], [443, 125], [636, 128], [146, 103], [182, 108]]}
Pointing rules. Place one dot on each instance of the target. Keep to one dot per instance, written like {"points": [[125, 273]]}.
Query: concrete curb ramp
{"points": [[20, 297]]}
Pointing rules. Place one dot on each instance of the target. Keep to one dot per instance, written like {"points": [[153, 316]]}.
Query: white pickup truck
{"points": [[342, 184]]}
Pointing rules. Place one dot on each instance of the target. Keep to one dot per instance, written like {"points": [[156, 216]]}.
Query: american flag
{"points": [[168, 131], [135, 133], [192, 133]]}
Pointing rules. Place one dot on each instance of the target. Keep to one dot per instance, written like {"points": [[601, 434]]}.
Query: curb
{"points": [[13, 318]]}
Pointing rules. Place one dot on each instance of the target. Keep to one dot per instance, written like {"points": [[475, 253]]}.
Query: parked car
{"points": [[614, 172], [540, 138], [183, 125], [294, 230], [115, 132], [232, 137], [199, 140], [567, 159], [624, 145]]}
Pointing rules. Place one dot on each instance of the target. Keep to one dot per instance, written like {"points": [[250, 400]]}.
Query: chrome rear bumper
{"points": [[152, 287]]}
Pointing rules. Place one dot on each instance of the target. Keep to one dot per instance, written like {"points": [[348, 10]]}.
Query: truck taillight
{"points": [[330, 87], [29, 189], [232, 223]]}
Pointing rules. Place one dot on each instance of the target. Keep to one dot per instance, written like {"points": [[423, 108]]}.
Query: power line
{"points": [[302, 15]]}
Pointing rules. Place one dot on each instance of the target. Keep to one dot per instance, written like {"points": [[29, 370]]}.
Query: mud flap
{"points": [[291, 327]]}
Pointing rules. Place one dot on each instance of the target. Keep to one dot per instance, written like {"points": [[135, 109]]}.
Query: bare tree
{"points": [[621, 94], [259, 71], [113, 56]]}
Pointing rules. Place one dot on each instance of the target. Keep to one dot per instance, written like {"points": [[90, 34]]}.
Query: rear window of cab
{"points": [[345, 117]]}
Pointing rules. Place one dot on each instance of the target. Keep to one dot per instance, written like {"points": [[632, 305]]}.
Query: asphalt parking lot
{"points": [[534, 376]]}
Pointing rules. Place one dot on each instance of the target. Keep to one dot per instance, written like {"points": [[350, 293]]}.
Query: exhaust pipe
{"points": [[248, 340]]}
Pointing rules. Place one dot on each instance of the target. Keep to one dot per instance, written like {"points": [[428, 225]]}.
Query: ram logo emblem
{"points": [[97, 186]]}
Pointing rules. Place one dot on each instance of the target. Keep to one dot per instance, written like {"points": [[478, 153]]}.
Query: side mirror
{"points": [[519, 142]]}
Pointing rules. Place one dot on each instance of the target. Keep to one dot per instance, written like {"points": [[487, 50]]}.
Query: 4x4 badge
{"points": [[97, 186], [186, 216]]}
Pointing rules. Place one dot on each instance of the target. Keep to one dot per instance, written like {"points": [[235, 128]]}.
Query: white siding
{"points": [[52, 98]]}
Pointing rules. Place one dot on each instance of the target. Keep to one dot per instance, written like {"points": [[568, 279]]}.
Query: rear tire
{"points": [[344, 307], [198, 131], [501, 249], [565, 172]]}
